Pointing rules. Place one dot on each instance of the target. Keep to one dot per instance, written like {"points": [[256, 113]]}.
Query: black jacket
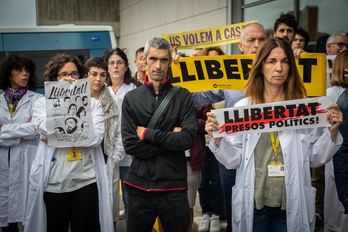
{"points": [[340, 159], [159, 162]]}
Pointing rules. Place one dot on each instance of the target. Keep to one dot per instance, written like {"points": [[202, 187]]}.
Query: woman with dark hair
{"points": [[18, 142], [119, 82], [287, 202], [81, 112], [69, 185], [54, 71], [119, 79], [113, 147]]}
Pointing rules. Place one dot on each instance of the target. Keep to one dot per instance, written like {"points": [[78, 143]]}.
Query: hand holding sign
{"points": [[175, 55], [335, 117], [275, 116], [212, 125]]}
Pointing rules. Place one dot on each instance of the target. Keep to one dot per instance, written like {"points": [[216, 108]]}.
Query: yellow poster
{"points": [[207, 37], [204, 73]]}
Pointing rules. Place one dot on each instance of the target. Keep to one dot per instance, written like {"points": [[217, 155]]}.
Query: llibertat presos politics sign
{"points": [[68, 112], [275, 116]]}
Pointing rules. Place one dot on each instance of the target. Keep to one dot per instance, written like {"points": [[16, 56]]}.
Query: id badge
{"points": [[74, 154], [275, 169]]}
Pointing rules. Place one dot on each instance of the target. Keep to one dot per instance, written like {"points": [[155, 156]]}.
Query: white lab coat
{"points": [[113, 163], [301, 150], [119, 158], [334, 217], [36, 212], [124, 160], [14, 174]]}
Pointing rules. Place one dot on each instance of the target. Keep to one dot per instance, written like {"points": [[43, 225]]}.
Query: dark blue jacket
{"points": [[340, 160]]}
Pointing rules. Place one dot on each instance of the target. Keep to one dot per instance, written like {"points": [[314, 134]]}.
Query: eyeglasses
{"points": [[340, 44], [118, 62], [73, 75]]}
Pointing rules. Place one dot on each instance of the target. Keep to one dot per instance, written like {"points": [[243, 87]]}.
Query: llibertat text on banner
{"points": [[275, 116], [203, 73]]}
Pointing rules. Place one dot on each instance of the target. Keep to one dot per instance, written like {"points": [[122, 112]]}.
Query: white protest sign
{"points": [[329, 62], [68, 112], [275, 116]]}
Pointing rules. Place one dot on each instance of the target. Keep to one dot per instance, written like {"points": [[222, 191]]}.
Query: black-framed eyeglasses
{"points": [[340, 44], [118, 62], [73, 75]]}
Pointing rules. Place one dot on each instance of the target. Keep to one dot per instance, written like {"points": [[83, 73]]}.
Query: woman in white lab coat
{"points": [[57, 201], [119, 82], [113, 147], [284, 203], [18, 142]]}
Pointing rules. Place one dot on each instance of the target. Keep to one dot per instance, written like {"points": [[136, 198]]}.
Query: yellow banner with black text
{"points": [[207, 37], [204, 73]]}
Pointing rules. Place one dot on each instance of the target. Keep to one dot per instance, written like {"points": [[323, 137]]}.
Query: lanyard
{"points": [[275, 144]]}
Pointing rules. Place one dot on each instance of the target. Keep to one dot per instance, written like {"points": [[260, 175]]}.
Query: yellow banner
{"points": [[207, 37], [204, 73]]}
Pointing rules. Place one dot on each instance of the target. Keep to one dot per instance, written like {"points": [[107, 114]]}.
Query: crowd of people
{"points": [[157, 140]]}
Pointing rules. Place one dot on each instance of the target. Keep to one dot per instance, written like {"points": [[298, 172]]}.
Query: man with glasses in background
{"points": [[336, 43]]}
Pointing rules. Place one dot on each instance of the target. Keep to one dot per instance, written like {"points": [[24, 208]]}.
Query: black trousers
{"points": [[12, 227], [79, 209], [172, 209]]}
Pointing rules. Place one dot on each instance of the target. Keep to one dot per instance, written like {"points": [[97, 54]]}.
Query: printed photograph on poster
{"points": [[68, 112], [275, 116]]}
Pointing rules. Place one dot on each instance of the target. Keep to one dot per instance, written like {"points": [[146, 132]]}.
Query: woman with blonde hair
{"points": [[285, 203], [334, 217], [339, 78]]}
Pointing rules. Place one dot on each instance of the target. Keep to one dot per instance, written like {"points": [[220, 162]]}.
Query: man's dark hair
{"points": [[97, 62], [302, 32], [138, 51], [288, 19]]}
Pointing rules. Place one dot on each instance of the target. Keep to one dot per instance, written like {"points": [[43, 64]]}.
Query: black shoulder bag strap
{"points": [[162, 106]]}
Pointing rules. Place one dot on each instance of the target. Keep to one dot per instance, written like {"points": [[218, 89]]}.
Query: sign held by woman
{"points": [[68, 109], [275, 116]]}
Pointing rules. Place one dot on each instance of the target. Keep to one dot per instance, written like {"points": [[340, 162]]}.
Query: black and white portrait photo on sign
{"points": [[68, 110]]}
